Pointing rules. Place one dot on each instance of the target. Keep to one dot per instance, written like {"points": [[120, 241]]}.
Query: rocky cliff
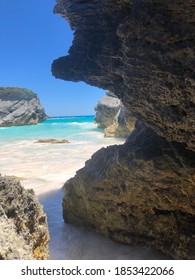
{"points": [[113, 117], [23, 224], [143, 52], [20, 107]]}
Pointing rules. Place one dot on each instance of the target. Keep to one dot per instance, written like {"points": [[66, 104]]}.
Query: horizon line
{"points": [[71, 116]]}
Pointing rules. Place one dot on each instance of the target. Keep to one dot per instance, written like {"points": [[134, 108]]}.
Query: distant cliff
{"points": [[112, 116], [20, 106], [23, 224]]}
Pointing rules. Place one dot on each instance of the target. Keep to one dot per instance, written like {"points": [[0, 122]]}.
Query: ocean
{"points": [[45, 167]]}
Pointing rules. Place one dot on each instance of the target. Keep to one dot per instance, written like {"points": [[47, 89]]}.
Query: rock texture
{"points": [[113, 117], [143, 52], [106, 110], [23, 224], [140, 192], [20, 107]]}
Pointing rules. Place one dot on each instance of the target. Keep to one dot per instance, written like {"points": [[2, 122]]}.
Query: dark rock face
{"points": [[113, 117], [143, 52], [23, 224], [20, 107], [140, 192]]}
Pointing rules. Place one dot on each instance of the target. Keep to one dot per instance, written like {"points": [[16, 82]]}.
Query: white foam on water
{"points": [[45, 167]]}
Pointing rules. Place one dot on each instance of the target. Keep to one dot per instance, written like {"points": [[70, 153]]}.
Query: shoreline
{"points": [[45, 167]]}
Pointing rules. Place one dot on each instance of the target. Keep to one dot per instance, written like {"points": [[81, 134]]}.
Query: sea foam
{"points": [[46, 167]]}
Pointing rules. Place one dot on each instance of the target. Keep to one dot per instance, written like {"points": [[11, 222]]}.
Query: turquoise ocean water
{"points": [[73, 128], [46, 167]]}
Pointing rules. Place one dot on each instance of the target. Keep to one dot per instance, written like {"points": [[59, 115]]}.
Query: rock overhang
{"points": [[142, 51], [144, 190]]}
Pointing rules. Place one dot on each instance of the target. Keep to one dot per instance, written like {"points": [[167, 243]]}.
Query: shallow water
{"points": [[45, 167], [69, 242]]}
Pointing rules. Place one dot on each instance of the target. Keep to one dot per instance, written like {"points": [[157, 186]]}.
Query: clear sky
{"points": [[31, 37]]}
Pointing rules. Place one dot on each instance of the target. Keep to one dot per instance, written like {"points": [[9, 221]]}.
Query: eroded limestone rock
{"points": [[140, 192], [23, 224], [143, 52], [20, 106], [106, 110], [113, 117]]}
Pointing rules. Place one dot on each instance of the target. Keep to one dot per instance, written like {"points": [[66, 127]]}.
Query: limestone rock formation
{"points": [[140, 192], [19, 107], [112, 116], [106, 110], [12, 245], [23, 224], [143, 52]]}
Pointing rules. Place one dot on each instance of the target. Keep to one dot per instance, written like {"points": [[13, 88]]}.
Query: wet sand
{"points": [[69, 242]]}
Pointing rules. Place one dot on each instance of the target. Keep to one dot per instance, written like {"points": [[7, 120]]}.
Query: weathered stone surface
{"points": [[106, 110], [113, 117], [19, 107], [23, 225], [140, 192], [143, 52], [12, 245], [53, 141]]}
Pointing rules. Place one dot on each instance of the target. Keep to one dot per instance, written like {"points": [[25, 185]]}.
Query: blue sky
{"points": [[31, 38]]}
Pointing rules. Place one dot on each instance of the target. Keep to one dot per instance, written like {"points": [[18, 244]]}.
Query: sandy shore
{"points": [[45, 167]]}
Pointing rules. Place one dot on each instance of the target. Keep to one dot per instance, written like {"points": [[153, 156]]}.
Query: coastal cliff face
{"points": [[106, 110], [23, 224], [20, 107], [143, 52], [113, 117]]}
